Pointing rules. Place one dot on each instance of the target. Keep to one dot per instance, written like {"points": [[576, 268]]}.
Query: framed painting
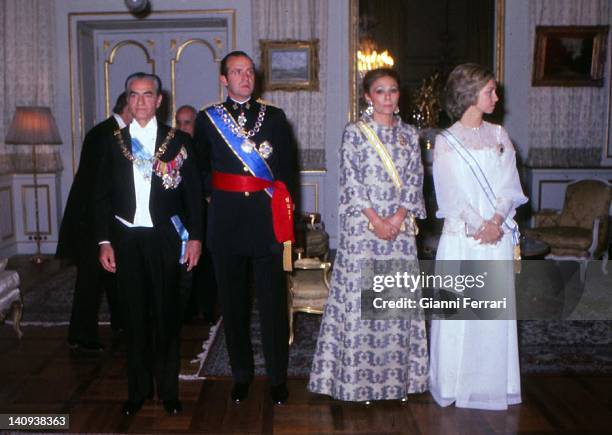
{"points": [[290, 65], [570, 55]]}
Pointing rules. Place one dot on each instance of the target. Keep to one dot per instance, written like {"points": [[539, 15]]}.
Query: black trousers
{"points": [[203, 299], [148, 274], [271, 294], [92, 281]]}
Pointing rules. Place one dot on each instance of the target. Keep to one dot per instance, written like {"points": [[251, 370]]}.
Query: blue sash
{"points": [[182, 232], [472, 163], [143, 160], [220, 118]]}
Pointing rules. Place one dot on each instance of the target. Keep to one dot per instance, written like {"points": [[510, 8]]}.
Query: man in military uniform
{"points": [[148, 222], [247, 156]]}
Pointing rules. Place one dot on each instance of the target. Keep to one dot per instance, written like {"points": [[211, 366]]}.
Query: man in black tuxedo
{"points": [[241, 231], [147, 221], [77, 241]]}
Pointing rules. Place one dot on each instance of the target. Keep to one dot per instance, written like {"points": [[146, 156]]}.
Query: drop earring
{"points": [[370, 109], [396, 111]]}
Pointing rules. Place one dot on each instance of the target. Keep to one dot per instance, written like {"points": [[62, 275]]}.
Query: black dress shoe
{"points": [[130, 407], [240, 391], [88, 346], [279, 393], [173, 407]]}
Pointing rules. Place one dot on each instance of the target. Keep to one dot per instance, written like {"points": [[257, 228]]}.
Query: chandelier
{"points": [[369, 60], [369, 56]]}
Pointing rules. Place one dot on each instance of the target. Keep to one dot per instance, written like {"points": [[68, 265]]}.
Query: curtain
{"points": [[567, 125], [27, 71], [302, 20]]}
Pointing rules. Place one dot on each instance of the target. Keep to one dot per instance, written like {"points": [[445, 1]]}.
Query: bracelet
{"points": [[499, 224]]}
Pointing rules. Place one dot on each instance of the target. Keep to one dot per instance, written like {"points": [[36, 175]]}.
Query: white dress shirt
{"points": [[142, 179]]}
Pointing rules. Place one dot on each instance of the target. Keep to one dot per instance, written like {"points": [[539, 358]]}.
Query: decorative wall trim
{"points": [[500, 28], [177, 58], [353, 43], [24, 203], [314, 185], [11, 213]]}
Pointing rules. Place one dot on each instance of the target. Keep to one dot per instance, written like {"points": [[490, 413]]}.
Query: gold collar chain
{"points": [[228, 120], [139, 162]]}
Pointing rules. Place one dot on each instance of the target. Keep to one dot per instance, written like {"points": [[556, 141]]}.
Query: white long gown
{"points": [[475, 363]]}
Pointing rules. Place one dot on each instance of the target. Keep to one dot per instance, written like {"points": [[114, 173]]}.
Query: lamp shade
{"points": [[33, 126]]}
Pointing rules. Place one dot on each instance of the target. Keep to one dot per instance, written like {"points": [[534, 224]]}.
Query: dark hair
{"points": [[373, 75], [462, 88], [236, 53], [142, 75], [120, 103]]}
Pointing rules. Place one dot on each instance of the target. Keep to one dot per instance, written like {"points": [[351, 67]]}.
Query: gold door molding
{"points": [[111, 58], [75, 17], [176, 59]]}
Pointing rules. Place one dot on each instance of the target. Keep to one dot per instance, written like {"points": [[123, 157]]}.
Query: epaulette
{"points": [[267, 103], [206, 106]]}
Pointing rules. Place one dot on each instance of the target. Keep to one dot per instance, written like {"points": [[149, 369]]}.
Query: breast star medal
{"points": [[265, 149], [247, 146]]}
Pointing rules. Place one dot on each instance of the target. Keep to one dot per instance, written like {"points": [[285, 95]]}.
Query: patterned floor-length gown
{"points": [[362, 360]]}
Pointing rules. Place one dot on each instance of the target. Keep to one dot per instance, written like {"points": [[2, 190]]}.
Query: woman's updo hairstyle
{"points": [[373, 75], [462, 88]]}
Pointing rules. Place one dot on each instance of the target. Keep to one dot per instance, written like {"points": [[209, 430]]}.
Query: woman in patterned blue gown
{"points": [[364, 360]]}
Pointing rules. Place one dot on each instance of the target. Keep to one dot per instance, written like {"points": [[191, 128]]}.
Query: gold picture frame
{"points": [[290, 65], [570, 55], [354, 81]]}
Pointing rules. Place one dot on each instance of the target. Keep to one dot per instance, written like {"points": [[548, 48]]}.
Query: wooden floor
{"points": [[42, 375]]}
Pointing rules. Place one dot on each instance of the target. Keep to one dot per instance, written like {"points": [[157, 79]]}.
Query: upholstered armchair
{"points": [[10, 297], [308, 288], [581, 230]]}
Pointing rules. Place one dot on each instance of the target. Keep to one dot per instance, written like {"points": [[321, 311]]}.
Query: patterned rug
{"points": [[552, 347], [306, 327], [50, 302], [546, 347]]}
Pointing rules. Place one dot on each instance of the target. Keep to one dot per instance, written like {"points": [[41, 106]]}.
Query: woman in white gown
{"points": [[474, 363]]}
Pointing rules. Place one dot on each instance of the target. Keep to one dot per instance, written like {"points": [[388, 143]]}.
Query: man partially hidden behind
{"points": [[77, 238], [185, 119], [247, 150], [203, 296], [147, 221]]}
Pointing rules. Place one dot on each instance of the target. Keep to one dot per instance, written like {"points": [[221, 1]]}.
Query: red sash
{"points": [[281, 203]]}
